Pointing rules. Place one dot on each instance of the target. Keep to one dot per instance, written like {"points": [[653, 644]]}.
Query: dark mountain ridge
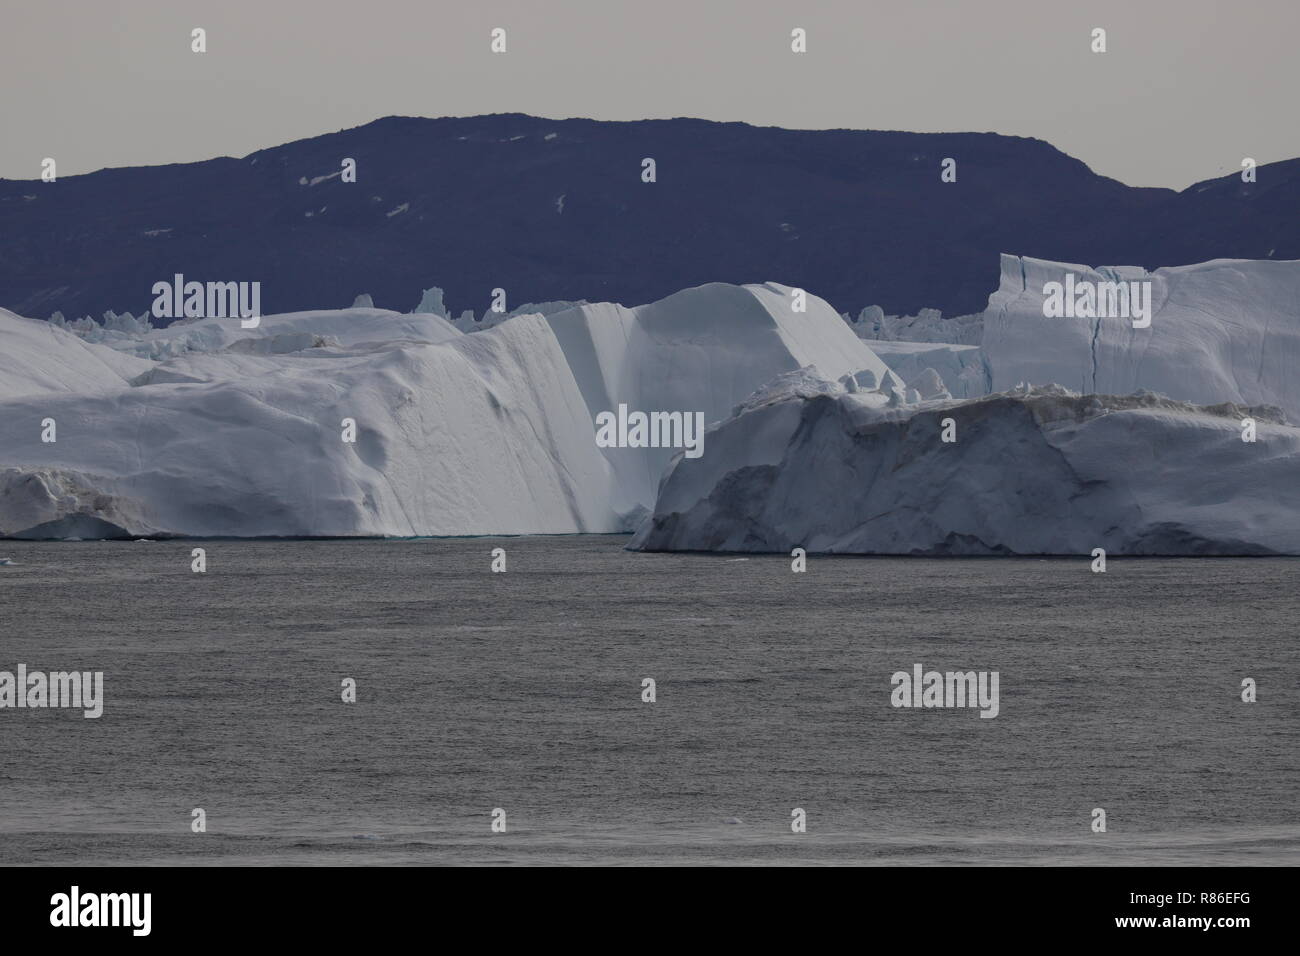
{"points": [[556, 209]]}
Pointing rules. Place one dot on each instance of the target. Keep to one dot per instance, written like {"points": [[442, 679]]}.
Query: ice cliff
{"points": [[1226, 330], [702, 349]]}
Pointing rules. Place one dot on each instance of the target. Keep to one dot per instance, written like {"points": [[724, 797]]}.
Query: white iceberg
{"points": [[233, 431], [207, 428], [1037, 471], [475, 434]]}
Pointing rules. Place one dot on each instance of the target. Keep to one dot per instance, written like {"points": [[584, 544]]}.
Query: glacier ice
{"points": [[431, 303], [820, 438], [1034, 471], [37, 357], [928, 325], [928, 385], [206, 428], [962, 369], [1222, 331], [472, 434], [698, 350]]}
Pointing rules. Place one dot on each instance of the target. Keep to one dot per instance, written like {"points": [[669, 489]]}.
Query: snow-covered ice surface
{"points": [[37, 357], [1037, 471], [1221, 331]]}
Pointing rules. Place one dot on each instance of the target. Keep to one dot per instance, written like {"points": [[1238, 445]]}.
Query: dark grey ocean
{"points": [[522, 691]]}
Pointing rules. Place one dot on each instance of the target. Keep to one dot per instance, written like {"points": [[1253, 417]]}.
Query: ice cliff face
{"points": [[1221, 331], [1041, 471], [700, 350]]}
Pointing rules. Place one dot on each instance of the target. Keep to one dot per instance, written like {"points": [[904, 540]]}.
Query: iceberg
{"points": [[364, 421], [204, 428], [473, 434], [1031, 471]]}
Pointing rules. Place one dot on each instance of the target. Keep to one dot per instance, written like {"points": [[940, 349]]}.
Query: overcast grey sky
{"points": [[1186, 90]]}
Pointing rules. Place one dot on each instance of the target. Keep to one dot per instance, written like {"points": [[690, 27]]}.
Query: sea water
{"points": [[522, 692]]}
